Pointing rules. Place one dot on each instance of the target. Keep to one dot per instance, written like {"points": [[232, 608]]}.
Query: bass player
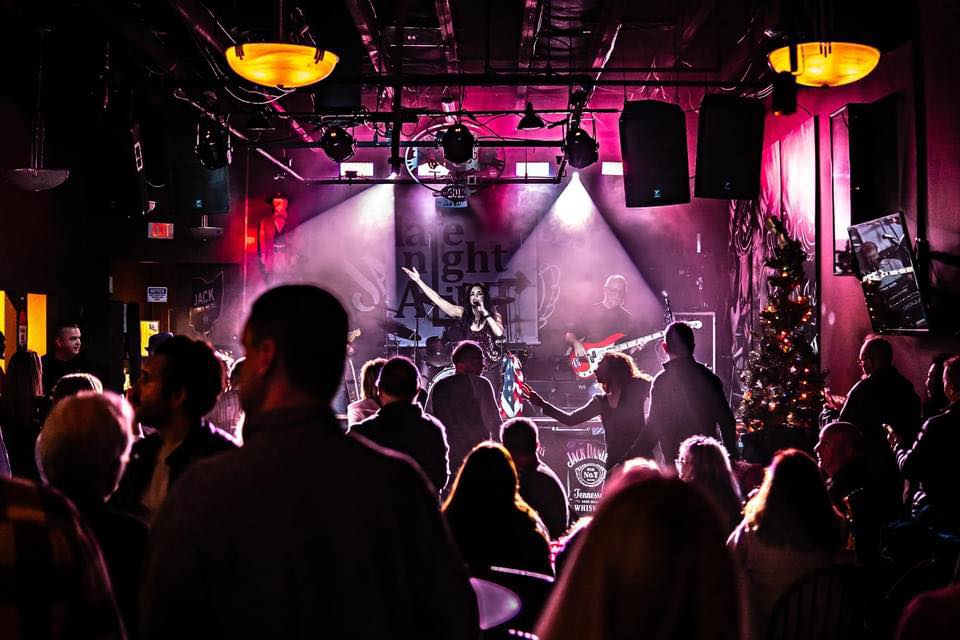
{"points": [[603, 318]]}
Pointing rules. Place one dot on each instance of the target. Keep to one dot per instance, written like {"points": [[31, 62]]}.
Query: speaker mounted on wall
{"points": [[729, 148], [653, 145], [196, 189]]}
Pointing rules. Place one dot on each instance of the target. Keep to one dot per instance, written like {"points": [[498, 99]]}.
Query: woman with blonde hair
{"points": [[705, 462], [652, 564], [367, 405], [789, 528]]}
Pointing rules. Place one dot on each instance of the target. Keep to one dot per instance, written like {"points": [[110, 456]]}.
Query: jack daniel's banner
{"points": [[206, 302], [578, 456]]}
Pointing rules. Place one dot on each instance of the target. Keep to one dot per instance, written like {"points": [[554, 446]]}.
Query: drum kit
{"points": [[431, 355]]}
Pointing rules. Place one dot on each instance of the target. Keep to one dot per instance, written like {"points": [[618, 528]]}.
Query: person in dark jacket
{"points": [[82, 451], [178, 385], [401, 424], [303, 532], [620, 408], [539, 485], [931, 460], [882, 396], [687, 399], [490, 521], [865, 499], [465, 403]]}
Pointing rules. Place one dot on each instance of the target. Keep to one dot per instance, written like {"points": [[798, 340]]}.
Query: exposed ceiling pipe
{"points": [[518, 79], [604, 41], [447, 36], [365, 19], [199, 18], [138, 37], [700, 13], [529, 26]]}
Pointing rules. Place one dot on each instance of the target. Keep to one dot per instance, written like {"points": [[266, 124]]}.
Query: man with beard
{"points": [[303, 532], [178, 385]]}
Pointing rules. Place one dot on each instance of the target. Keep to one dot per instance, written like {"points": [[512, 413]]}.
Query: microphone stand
{"points": [[668, 313]]}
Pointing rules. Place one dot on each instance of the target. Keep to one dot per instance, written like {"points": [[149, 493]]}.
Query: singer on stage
{"points": [[482, 326]]}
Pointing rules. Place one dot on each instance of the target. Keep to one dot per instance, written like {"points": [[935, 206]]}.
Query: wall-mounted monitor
{"points": [[886, 265]]}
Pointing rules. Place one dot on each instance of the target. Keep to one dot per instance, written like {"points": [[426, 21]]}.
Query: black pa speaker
{"points": [[196, 189], [729, 148], [653, 145], [874, 168]]}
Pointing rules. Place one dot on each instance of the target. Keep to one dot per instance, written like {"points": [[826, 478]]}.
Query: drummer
{"points": [[465, 403]]}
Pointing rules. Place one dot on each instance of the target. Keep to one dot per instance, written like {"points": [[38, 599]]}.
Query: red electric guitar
{"points": [[585, 366]]}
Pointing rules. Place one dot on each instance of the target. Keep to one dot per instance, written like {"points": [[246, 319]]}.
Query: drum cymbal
{"points": [[398, 329], [502, 300]]}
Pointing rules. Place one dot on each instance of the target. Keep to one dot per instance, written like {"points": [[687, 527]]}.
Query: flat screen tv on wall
{"points": [[885, 265]]}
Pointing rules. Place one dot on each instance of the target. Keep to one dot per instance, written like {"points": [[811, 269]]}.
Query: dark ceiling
{"points": [[136, 59]]}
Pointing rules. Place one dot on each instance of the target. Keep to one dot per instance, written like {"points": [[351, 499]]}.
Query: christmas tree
{"points": [[783, 384]]}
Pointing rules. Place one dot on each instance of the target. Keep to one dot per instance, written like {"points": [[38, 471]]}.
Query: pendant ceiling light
{"points": [[826, 64], [38, 177], [281, 64]]}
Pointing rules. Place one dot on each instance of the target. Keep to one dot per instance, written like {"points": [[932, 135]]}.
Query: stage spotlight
{"points": [[337, 143], [580, 148], [213, 144], [530, 119], [784, 94], [457, 142]]}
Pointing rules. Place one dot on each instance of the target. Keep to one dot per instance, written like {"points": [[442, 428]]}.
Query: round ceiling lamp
{"points": [[827, 64], [280, 64]]}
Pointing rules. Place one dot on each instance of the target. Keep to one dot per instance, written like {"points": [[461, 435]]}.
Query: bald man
{"points": [[604, 318], [881, 396], [856, 488]]}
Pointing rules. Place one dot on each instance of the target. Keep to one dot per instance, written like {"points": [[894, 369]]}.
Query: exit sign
{"points": [[160, 230]]}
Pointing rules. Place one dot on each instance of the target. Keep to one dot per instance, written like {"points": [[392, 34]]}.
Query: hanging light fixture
{"points": [[826, 64], [530, 119], [337, 143], [281, 64], [581, 149], [37, 177]]}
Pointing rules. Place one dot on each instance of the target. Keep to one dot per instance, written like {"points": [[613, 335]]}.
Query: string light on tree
{"points": [[782, 383]]}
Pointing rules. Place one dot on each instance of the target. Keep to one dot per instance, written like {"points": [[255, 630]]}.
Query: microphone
{"points": [[663, 292]]}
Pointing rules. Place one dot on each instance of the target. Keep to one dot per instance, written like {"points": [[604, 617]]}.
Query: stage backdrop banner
{"points": [[451, 251]]}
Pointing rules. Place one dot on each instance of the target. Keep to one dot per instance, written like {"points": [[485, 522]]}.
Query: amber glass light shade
{"points": [[827, 64], [279, 64]]}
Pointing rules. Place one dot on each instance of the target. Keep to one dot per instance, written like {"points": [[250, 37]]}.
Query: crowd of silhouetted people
{"points": [[224, 499]]}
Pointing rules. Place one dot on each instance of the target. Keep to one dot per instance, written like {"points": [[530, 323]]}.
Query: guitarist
{"points": [[603, 318], [873, 264]]}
